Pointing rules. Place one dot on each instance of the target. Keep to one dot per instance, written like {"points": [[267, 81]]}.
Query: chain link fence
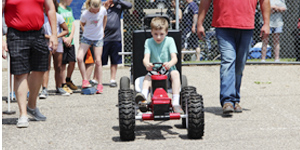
{"points": [[289, 38]]}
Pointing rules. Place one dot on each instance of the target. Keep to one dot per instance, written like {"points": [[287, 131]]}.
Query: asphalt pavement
{"points": [[270, 118]]}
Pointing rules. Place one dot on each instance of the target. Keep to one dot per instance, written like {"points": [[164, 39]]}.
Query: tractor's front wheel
{"points": [[126, 115], [195, 116]]}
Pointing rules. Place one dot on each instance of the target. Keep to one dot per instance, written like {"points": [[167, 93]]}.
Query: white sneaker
{"points": [[263, 60], [277, 60], [23, 122]]}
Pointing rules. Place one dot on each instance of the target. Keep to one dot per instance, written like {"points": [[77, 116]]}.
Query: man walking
{"points": [[234, 23]]}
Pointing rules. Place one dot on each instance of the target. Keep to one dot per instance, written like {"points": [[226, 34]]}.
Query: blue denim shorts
{"points": [[95, 43]]}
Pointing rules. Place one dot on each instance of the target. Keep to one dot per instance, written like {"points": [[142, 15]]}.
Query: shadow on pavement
{"points": [[9, 121], [151, 132], [218, 111]]}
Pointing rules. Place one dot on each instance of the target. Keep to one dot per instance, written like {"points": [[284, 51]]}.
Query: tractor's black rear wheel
{"points": [[195, 116], [126, 115]]}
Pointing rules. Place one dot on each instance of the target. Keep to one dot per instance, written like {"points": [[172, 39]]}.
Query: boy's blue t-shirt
{"points": [[161, 52]]}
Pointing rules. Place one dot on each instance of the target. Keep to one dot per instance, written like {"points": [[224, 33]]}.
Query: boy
{"points": [[69, 49], [160, 48]]}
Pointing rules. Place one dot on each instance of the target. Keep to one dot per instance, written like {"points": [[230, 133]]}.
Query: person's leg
{"points": [[89, 70], [59, 76], [81, 52], [46, 74], [265, 41], [226, 44], [21, 88], [67, 80], [115, 48], [175, 79], [243, 46], [70, 69], [34, 81], [276, 41], [98, 67], [98, 62]]}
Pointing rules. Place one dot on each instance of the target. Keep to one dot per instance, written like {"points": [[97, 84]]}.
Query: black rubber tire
{"points": [[184, 96], [184, 82], [124, 83], [126, 115], [195, 116]]}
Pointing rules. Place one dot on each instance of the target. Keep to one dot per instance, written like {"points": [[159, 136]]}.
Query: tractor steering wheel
{"points": [[160, 70]]}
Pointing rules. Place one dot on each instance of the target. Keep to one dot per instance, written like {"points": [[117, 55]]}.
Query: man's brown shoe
{"points": [[227, 108], [71, 85], [238, 108]]}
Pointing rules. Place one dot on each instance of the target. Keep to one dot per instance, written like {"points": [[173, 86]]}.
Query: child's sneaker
{"points": [[67, 89], [43, 94], [99, 89], [85, 84], [71, 85], [94, 83], [23, 122], [62, 92]]}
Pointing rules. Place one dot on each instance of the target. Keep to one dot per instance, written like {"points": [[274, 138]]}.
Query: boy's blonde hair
{"points": [[159, 23], [92, 4]]}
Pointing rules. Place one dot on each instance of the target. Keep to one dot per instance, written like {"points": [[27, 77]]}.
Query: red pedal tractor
{"points": [[160, 106]]}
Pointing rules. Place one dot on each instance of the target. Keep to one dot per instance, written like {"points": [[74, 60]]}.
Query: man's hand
{"points": [[4, 48], [53, 43], [149, 66], [265, 31], [201, 32]]}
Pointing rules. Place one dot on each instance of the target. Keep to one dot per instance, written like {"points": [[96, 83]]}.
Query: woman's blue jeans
{"points": [[234, 45]]}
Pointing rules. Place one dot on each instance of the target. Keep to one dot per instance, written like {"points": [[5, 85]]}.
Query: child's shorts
{"points": [[69, 54], [96, 43], [275, 29], [112, 48]]}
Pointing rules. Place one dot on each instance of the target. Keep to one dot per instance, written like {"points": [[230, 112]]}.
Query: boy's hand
{"points": [[149, 66], [167, 65], [67, 41]]}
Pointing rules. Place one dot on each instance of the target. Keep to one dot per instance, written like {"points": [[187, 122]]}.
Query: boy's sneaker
{"points": [[36, 114], [67, 89], [71, 85], [85, 84], [94, 83], [177, 109], [99, 89], [62, 92], [139, 97], [43, 94], [228, 108], [141, 101], [23, 122]]}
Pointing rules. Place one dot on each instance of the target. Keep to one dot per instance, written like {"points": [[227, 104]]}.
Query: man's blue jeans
{"points": [[234, 45]]}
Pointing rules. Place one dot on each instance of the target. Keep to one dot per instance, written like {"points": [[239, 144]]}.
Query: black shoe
{"points": [[228, 108], [113, 84]]}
